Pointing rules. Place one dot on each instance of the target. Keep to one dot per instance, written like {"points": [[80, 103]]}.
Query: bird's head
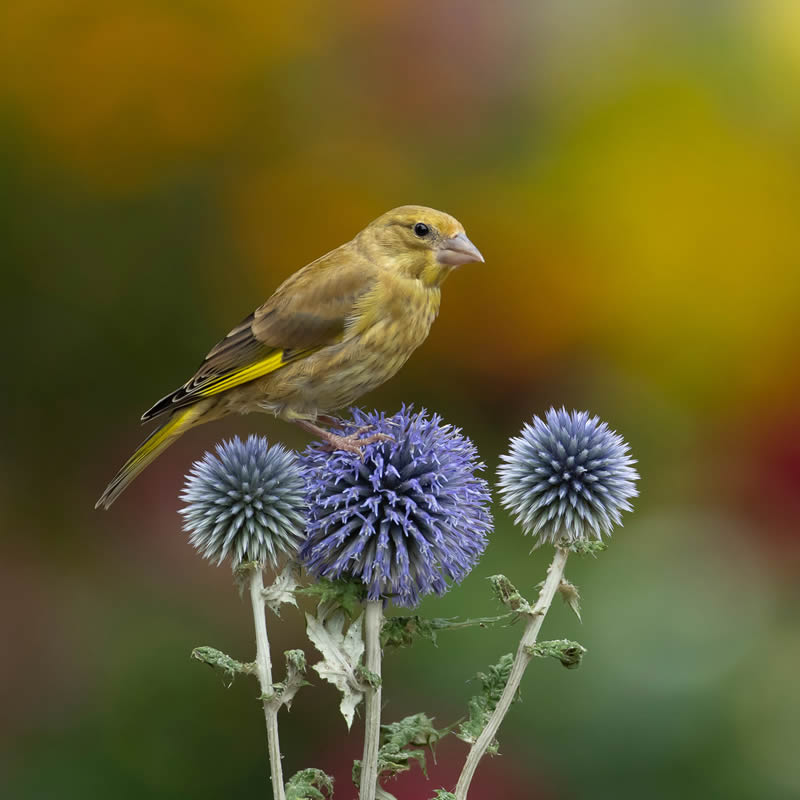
{"points": [[419, 242]]}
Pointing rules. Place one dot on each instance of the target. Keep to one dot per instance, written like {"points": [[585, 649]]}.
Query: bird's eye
{"points": [[421, 229]]}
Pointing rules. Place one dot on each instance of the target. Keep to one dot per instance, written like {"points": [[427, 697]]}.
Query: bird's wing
{"points": [[308, 311]]}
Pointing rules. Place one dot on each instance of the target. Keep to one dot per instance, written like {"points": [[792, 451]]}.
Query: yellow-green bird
{"points": [[337, 328]]}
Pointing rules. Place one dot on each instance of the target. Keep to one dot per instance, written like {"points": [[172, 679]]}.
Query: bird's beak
{"points": [[458, 250]]}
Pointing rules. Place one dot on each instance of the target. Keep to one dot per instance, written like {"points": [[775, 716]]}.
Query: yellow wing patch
{"points": [[252, 371], [249, 373]]}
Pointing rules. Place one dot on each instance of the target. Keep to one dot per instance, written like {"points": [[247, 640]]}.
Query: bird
{"points": [[335, 329]]}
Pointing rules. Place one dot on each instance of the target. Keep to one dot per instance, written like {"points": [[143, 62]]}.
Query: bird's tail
{"points": [[150, 449]]}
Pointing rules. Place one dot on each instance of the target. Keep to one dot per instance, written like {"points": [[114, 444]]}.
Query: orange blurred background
{"points": [[630, 172]]}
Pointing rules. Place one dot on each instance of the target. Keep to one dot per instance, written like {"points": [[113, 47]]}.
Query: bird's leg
{"points": [[351, 443]]}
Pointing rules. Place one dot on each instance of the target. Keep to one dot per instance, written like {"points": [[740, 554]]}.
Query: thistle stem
{"points": [[555, 573], [373, 622], [264, 672]]}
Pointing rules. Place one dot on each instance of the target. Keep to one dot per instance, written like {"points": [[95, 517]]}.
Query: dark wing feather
{"points": [[308, 311]]}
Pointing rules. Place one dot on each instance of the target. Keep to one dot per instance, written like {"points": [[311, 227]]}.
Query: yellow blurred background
{"points": [[631, 172]]}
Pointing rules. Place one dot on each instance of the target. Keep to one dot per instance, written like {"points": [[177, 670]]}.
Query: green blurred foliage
{"points": [[630, 172]]}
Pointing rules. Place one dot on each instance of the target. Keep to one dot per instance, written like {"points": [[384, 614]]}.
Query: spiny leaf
{"points": [[417, 729], [391, 763], [364, 676], [309, 784], [482, 705], [229, 667], [507, 594], [586, 547], [401, 742], [567, 652], [347, 595], [341, 656], [283, 588], [295, 671], [401, 631]]}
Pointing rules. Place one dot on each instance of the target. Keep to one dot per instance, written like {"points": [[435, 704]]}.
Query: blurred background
{"points": [[629, 170]]}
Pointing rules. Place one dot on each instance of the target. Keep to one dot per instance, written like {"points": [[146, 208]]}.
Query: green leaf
{"points": [[371, 679], [417, 730], [586, 547], [309, 784], [347, 595], [567, 652], [443, 794], [403, 742], [341, 657], [295, 672], [507, 594], [401, 631], [482, 705], [229, 667]]}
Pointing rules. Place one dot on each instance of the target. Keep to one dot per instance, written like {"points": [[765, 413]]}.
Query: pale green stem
{"points": [[373, 622], [555, 573], [264, 672]]}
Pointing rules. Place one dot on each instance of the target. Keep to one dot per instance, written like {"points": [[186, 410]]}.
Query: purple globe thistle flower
{"points": [[403, 519], [247, 501], [567, 478]]}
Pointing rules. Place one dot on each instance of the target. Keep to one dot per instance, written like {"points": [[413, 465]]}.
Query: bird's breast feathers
{"points": [[387, 324], [405, 306]]}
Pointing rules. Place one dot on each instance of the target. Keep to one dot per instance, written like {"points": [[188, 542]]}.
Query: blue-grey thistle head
{"points": [[568, 477], [404, 519], [247, 502]]}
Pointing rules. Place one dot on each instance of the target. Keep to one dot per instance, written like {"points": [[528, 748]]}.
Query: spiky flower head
{"points": [[404, 519], [568, 477], [247, 501]]}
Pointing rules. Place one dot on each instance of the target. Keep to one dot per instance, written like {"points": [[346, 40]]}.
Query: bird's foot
{"points": [[354, 443]]}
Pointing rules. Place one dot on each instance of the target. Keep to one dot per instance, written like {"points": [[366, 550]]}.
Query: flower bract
{"points": [[246, 501], [406, 517], [567, 477]]}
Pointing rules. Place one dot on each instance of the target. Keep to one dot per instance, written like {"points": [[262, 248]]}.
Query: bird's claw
{"points": [[366, 428], [353, 443]]}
